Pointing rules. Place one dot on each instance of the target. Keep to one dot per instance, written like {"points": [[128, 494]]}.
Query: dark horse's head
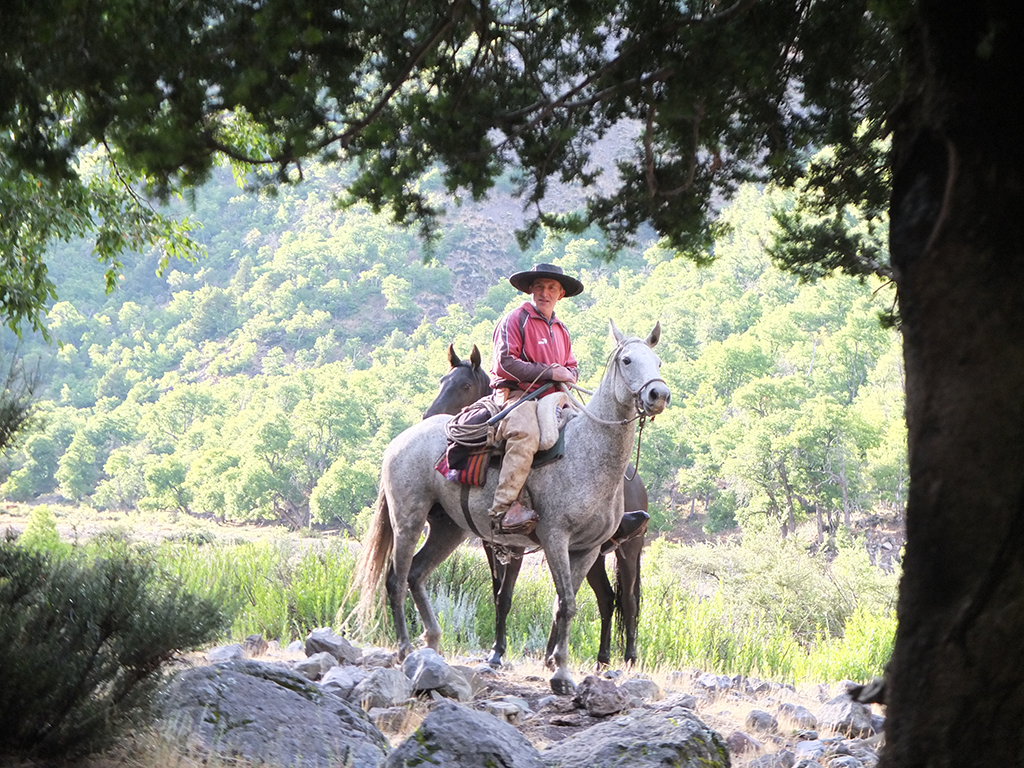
{"points": [[465, 383]]}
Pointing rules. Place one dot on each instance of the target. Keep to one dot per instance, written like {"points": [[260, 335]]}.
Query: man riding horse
{"points": [[531, 348]]}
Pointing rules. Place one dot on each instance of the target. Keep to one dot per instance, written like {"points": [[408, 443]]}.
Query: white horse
{"points": [[578, 500]]}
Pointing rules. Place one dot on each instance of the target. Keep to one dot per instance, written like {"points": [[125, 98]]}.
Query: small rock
{"points": [[390, 719], [762, 722], [324, 640], [801, 716], [226, 653], [255, 645], [645, 690], [314, 667], [600, 697], [781, 759], [739, 742]]}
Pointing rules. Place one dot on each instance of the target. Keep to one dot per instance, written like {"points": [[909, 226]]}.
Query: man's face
{"points": [[546, 293]]}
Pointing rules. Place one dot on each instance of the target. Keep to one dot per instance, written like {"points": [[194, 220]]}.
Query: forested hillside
{"points": [[264, 381]]}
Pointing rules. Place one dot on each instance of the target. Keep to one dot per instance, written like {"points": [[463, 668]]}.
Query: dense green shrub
{"points": [[83, 640]]}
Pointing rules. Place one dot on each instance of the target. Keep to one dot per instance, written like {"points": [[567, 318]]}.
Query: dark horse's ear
{"points": [[453, 359], [474, 357], [652, 340]]}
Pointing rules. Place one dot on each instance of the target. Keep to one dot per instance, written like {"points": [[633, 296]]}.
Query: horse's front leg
{"points": [[597, 577], [503, 583], [567, 571]]}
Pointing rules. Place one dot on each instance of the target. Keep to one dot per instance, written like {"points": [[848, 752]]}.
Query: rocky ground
{"points": [[760, 720]]}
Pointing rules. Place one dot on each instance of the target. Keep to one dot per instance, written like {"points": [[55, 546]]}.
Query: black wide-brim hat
{"points": [[522, 280]]}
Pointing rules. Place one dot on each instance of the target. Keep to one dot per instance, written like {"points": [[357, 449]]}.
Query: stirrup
{"points": [[517, 521]]}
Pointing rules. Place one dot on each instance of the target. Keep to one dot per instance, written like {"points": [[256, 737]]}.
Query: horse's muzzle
{"points": [[655, 397]]}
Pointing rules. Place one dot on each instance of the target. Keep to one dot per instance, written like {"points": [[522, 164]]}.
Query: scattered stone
{"points": [[324, 640], [801, 716], [314, 667], [340, 680], [255, 645], [225, 653], [456, 736], [715, 683], [739, 742], [382, 688], [762, 722], [679, 740], [645, 690], [377, 657], [847, 717], [781, 759], [601, 697], [267, 713], [295, 646], [676, 701]]}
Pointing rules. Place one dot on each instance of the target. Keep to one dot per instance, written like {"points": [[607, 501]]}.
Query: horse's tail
{"points": [[377, 546]]}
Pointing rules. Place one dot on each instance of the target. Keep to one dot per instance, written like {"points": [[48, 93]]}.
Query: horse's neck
{"points": [[614, 438]]}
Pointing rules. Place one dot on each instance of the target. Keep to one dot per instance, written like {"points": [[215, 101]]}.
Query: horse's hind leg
{"points": [[627, 583], [597, 577], [397, 582], [442, 539]]}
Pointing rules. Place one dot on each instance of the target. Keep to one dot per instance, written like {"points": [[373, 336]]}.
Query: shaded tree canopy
{"points": [[716, 93]]}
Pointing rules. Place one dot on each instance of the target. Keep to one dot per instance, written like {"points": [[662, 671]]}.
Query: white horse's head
{"points": [[638, 369]]}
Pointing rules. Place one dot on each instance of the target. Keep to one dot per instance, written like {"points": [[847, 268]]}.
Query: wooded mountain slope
{"points": [[265, 380]]}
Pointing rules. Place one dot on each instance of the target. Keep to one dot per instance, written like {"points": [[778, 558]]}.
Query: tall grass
{"points": [[764, 608]]}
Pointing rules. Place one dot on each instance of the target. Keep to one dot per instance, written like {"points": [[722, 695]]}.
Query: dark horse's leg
{"points": [[503, 582], [627, 591], [442, 539], [597, 577]]}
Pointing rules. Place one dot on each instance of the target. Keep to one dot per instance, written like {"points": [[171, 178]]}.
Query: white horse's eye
{"points": [[626, 361]]}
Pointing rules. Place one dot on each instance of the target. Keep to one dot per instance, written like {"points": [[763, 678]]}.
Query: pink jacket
{"points": [[525, 343]]}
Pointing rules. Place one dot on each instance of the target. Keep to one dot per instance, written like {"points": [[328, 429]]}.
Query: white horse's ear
{"points": [[652, 340], [617, 336], [474, 357], [453, 359]]}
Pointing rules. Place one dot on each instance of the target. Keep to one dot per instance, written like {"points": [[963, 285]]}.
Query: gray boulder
{"points": [[341, 680], [382, 688], [801, 716], [267, 713], [316, 666], [642, 739], [455, 736], [762, 722], [429, 672], [324, 639], [645, 690], [846, 716], [226, 653], [601, 697]]}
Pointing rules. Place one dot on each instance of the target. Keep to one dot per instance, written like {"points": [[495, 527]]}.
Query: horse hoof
{"points": [[494, 661], [562, 686]]}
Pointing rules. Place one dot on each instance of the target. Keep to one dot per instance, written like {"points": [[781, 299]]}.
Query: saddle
{"points": [[472, 448]]}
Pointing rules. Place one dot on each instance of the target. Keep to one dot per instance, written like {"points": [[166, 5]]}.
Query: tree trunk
{"points": [[955, 687]]}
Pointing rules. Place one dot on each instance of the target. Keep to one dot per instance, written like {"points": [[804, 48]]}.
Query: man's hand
{"points": [[561, 373]]}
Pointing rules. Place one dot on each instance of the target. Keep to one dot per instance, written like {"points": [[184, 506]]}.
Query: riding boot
{"points": [[632, 524], [520, 431]]}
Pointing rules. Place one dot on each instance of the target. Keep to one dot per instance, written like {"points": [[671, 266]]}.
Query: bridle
{"points": [[638, 403]]}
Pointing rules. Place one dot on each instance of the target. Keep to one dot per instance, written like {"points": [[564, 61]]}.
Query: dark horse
{"points": [[465, 383]]}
